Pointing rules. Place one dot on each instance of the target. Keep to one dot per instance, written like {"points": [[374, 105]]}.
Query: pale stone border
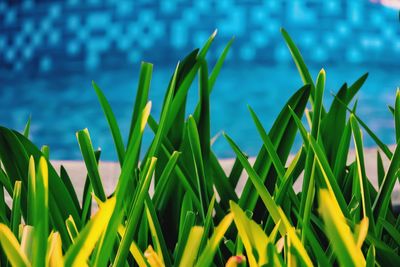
{"points": [[110, 171]]}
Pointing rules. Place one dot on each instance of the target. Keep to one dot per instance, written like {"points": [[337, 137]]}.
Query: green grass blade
{"points": [[142, 94], [16, 208], [365, 195], [282, 135], [202, 186], [135, 215], [382, 200], [89, 158], [112, 123], [164, 177], [27, 128], [6, 182], [275, 212], [72, 230], [217, 67], [298, 60], [203, 52], [393, 232], [355, 87], [132, 155]]}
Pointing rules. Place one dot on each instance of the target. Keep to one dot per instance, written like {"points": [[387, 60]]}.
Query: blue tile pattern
{"points": [[56, 36]]}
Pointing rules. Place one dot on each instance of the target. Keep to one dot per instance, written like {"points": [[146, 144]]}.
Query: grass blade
{"points": [[80, 251], [192, 247], [89, 158], [112, 123], [339, 232], [11, 247]]}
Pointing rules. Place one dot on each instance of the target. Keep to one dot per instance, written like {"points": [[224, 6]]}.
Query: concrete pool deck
{"points": [[110, 172]]}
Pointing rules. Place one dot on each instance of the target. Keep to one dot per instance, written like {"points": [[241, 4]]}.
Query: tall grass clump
{"points": [[194, 217]]}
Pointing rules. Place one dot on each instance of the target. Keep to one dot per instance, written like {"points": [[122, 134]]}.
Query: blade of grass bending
{"points": [[217, 67], [79, 252], [72, 230], [298, 60], [112, 123], [27, 127], [275, 212], [89, 158], [192, 246], [207, 256], [355, 87], [132, 154], [16, 208], [142, 94], [339, 232], [280, 169], [11, 247], [365, 195], [135, 215], [282, 135], [41, 214], [381, 203]]}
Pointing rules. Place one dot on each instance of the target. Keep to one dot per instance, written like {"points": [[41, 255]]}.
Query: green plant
{"points": [[195, 217]]}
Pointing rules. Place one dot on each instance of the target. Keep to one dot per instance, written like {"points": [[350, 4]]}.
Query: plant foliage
{"points": [[194, 217]]}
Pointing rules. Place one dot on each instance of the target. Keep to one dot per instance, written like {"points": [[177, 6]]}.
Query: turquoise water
{"points": [[63, 105]]}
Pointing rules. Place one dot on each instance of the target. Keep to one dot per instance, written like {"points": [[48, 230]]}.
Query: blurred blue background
{"points": [[51, 50]]}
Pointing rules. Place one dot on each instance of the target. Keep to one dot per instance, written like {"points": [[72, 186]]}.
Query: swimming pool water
{"points": [[61, 106]]}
